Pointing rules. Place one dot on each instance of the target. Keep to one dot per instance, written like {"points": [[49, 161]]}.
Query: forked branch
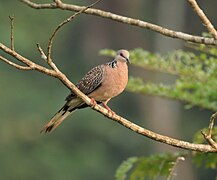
{"points": [[203, 18], [128, 124], [15, 65], [208, 136], [125, 20], [54, 72], [50, 43]]}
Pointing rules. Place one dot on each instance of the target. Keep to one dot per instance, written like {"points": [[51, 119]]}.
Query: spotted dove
{"points": [[101, 83]]}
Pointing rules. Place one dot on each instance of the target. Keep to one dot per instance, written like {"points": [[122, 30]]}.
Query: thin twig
{"points": [[43, 56], [172, 171], [12, 32], [125, 20], [15, 65], [49, 60], [211, 124], [126, 123], [203, 18], [210, 140], [208, 136], [26, 61]]}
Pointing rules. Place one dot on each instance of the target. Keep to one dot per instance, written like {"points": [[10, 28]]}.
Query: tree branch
{"points": [[125, 20], [49, 60], [12, 32], [26, 61], [203, 18], [208, 136], [128, 124], [15, 65], [172, 171], [43, 56]]}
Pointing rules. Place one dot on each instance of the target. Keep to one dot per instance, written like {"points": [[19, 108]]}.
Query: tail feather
{"points": [[57, 119]]}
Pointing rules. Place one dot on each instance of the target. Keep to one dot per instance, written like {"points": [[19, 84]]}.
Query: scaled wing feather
{"points": [[89, 82]]}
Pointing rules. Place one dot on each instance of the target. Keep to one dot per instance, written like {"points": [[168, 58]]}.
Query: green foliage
{"points": [[209, 160], [191, 71], [159, 165], [163, 165], [109, 52], [123, 169], [195, 83]]}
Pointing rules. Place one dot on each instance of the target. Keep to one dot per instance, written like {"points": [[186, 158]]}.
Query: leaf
{"points": [[192, 93], [159, 165], [123, 169], [108, 52]]}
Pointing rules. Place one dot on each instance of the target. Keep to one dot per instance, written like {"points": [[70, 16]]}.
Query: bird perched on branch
{"points": [[101, 83]]}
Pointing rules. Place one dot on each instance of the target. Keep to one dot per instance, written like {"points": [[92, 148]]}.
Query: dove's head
{"points": [[123, 55]]}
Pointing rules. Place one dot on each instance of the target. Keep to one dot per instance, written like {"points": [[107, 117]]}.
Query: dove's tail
{"points": [[58, 118]]}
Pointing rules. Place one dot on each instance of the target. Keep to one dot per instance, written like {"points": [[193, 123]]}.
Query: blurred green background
{"points": [[88, 145]]}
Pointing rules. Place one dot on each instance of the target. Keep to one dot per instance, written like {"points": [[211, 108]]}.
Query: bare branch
{"points": [[203, 18], [208, 136], [49, 60], [15, 65], [128, 124], [43, 56], [211, 124], [125, 20], [117, 118], [26, 61], [172, 171], [12, 32]]}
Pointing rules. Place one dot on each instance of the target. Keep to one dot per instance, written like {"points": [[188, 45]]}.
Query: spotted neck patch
{"points": [[113, 64]]}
